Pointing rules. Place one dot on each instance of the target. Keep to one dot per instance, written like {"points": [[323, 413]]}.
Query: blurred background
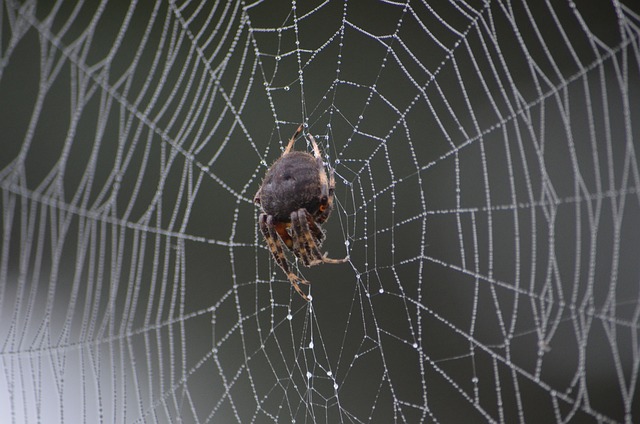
{"points": [[487, 197]]}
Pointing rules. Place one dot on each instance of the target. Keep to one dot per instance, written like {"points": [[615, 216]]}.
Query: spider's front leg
{"points": [[270, 234], [302, 240], [303, 229]]}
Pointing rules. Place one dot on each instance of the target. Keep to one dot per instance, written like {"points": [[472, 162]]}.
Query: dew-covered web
{"points": [[487, 195]]}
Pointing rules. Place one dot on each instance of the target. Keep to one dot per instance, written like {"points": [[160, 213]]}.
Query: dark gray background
{"points": [[503, 235]]}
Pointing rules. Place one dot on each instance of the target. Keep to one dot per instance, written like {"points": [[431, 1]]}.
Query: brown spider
{"points": [[296, 196]]}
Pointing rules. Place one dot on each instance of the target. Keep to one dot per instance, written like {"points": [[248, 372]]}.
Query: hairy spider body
{"points": [[292, 182], [296, 196]]}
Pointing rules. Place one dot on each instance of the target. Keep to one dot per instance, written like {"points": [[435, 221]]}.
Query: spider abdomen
{"points": [[292, 182]]}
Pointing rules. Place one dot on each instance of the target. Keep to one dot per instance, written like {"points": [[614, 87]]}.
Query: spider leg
{"points": [[316, 149], [292, 140], [271, 237], [275, 246], [324, 258], [281, 229], [300, 242], [324, 183], [327, 184], [332, 184], [310, 244], [316, 231], [331, 188]]}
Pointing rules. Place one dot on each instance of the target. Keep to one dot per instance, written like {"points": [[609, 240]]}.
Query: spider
{"points": [[296, 196]]}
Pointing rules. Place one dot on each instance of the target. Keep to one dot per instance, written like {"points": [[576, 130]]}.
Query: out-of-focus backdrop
{"points": [[488, 197]]}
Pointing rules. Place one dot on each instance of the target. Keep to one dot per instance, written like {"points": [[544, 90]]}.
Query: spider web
{"points": [[487, 196]]}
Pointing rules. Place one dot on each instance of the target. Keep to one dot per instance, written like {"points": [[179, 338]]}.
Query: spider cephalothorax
{"points": [[296, 196]]}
